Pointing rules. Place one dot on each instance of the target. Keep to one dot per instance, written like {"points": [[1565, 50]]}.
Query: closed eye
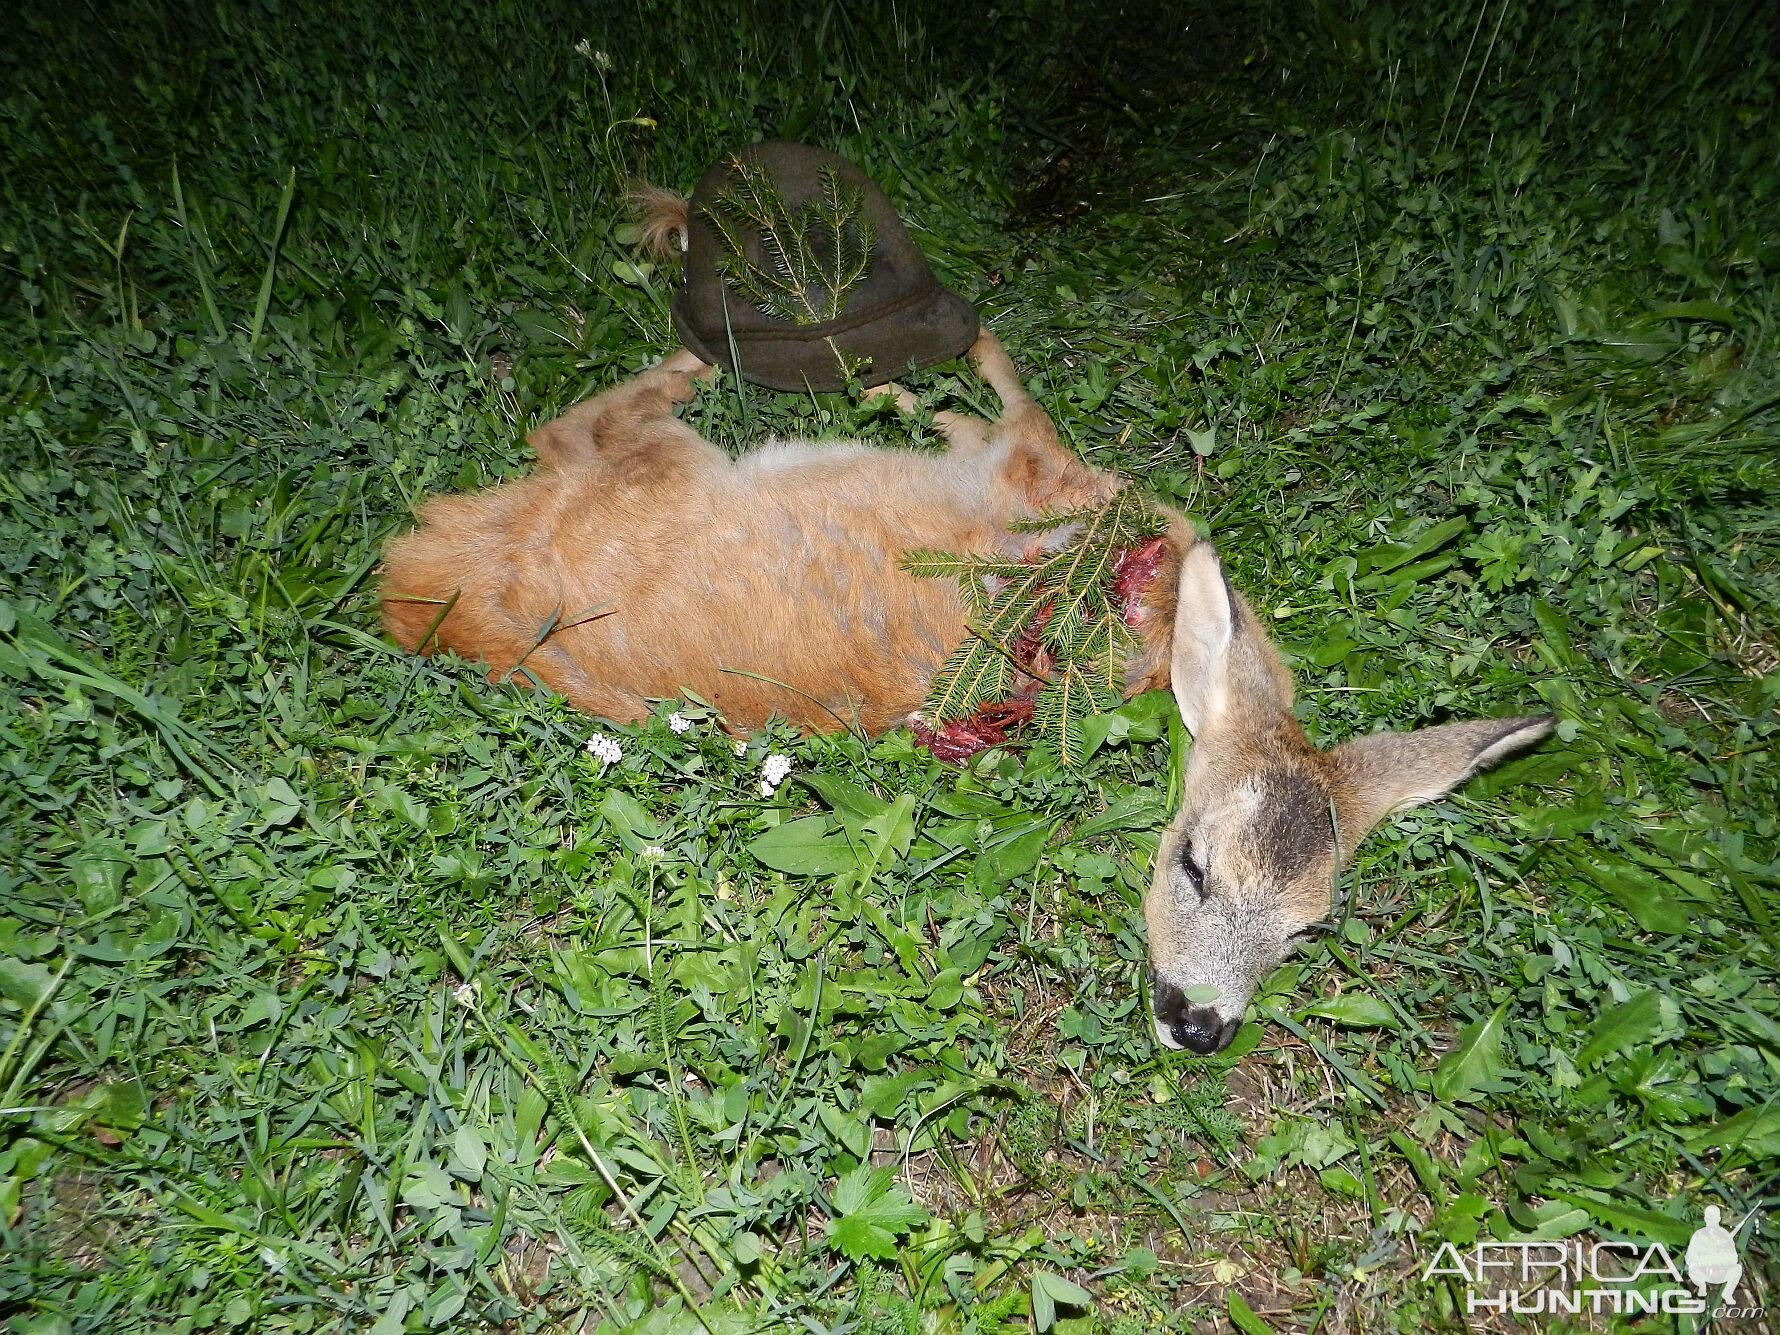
{"points": [[1192, 872]]}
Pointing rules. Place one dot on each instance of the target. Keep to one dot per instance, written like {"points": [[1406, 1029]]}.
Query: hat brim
{"points": [[934, 326]]}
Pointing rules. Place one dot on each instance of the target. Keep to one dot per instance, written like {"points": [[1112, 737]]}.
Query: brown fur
{"points": [[662, 217], [638, 560]]}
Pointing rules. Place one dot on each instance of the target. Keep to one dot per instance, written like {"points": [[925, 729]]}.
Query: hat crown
{"points": [[798, 272]]}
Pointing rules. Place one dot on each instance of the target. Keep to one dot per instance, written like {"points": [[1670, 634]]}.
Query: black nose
{"points": [[1202, 1030]]}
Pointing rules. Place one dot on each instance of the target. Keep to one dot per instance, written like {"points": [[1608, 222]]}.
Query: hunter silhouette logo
{"points": [[1712, 1256]]}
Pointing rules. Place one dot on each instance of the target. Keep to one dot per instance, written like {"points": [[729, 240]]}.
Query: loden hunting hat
{"points": [[797, 265]]}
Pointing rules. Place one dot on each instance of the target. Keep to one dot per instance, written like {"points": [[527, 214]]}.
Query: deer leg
{"points": [[601, 428], [962, 431], [997, 368], [1035, 465], [906, 403]]}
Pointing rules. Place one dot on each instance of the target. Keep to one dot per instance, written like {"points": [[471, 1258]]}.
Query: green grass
{"points": [[344, 991]]}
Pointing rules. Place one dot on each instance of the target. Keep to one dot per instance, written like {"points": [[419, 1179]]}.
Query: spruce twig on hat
{"points": [[796, 263], [816, 254]]}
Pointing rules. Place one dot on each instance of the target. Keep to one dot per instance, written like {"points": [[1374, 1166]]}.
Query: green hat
{"points": [[795, 261]]}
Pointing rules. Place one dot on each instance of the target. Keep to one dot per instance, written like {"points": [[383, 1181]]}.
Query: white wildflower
{"points": [[772, 773], [605, 750], [679, 724], [467, 994], [741, 748], [653, 852]]}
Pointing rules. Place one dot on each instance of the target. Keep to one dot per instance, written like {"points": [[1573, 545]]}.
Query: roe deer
{"points": [[638, 560]]}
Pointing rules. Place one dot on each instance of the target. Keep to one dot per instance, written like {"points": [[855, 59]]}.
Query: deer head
{"points": [[1246, 869]]}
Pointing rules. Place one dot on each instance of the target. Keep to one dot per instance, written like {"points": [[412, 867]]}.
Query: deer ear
{"points": [[1392, 770], [1204, 624]]}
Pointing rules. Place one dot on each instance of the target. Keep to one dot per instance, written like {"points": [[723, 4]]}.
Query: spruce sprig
{"points": [[1067, 593], [815, 254]]}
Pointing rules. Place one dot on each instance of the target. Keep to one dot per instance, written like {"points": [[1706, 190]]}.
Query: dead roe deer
{"points": [[638, 560]]}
